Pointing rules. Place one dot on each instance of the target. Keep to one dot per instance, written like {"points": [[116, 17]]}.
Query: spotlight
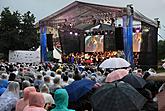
{"points": [[75, 34], [106, 33], [71, 33]]}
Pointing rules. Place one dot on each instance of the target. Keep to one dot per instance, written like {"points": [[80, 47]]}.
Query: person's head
{"points": [[12, 77], [52, 74], [58, 71], [44, 89], [4, 76], [25, 84], [56, 80], [36, 99], [139, 70], [27, 92], [47, 79], [61, 97], [14, 87], [146, 75], [39, 77], [65, 78], [70, 75]]}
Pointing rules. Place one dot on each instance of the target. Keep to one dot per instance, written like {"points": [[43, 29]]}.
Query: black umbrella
{"points": [[117, 97], [135, 81]]}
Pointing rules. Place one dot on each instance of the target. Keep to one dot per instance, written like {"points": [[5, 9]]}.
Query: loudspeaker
{"points": [[49, 42], [119, 38]]}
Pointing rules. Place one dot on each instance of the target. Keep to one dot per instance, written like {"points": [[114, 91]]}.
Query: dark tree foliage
{"points": [[161, 50], [17, 32]]}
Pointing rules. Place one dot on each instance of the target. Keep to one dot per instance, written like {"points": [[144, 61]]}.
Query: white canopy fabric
{"points": [[56, 54]]}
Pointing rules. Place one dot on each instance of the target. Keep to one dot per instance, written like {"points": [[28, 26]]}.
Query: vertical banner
{"points": [[127, 38], [43, 44]]}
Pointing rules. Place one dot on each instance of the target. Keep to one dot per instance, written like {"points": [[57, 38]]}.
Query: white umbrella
{"points": [[114, 63], [163, 65]]}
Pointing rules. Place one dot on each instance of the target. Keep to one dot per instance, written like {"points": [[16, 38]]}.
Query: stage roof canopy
{"points": [[83, 15]]}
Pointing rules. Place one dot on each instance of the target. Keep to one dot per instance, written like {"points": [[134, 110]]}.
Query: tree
{"points": [[17, 32], [9, 30], [161, 50], [29, 33]]}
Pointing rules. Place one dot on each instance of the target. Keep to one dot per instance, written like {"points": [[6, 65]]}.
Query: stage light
{"points": [[58, 27], [137, 30], [71, 33], [75, 34], [106, 33]]}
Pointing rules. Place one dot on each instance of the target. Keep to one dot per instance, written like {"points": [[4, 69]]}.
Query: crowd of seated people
{"points": [[41, 87]]}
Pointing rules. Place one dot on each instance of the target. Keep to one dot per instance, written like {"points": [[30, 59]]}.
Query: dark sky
{"points": [[42, 8]]}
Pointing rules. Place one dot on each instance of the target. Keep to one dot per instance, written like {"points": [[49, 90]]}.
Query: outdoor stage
{"points": [[86, 27]]}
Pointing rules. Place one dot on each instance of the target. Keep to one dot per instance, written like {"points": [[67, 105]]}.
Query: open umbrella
{"points": [[163, 65], [117, 97], [135, 81], [79, 88], [114, 63], [116, 75]]}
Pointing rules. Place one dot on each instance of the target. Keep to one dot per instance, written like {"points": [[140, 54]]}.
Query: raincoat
{"points": [[61, 100]]}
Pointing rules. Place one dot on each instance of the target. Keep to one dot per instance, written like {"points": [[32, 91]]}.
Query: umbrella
{"points": [[135, 81], [163, 65], [117, 97], [116, 75], [79, 88], [114, 63]]}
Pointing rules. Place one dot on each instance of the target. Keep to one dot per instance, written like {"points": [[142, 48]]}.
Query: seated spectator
{"points": [[65, 81], [36, 102], [3, 83], [56, 85], [47, 81], [24, 84], [22, 103], [61, 99], [70, 79], [47, 97], [9, 98], [38, 82]]}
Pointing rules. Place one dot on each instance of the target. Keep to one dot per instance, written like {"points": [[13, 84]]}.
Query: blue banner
{"points": [[127, 38], [43, 44]]}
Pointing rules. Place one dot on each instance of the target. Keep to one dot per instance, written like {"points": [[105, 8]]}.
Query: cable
{"points": [[161, 37]]}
